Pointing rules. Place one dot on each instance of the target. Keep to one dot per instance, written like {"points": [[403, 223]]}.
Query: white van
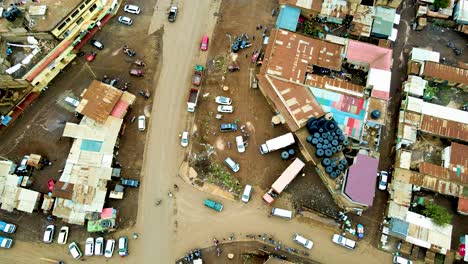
{"points": [[240, 144], [281, 213], [401, 260], [246, 193], [141, 123], [234, 166]]}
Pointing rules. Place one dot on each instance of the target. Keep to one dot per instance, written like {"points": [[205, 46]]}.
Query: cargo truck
{"points": [[283, 181], [192, 99], [277, 143], [197, 75]]}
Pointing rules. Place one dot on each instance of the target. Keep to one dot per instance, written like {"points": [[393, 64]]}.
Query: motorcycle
{"points": [[139, 63], [145, 94], [233, 68], [128, 51], [218, 251]]}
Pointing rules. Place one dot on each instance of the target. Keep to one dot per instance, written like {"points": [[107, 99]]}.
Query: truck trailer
{"points": [[192, 99], [277, 143]]}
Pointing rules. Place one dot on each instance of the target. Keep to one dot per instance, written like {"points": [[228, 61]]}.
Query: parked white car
{"points": [[110, 245], [303, 241], [49, 234], [343, 241], [125, 20], [142, 123], [184, 140], [133, 9], [240, 144], [383, 180], [222, 100], [63, 235], [225, 108], [123, 246], [71, 101], [89, 247], [75, 250], [99, 246]]}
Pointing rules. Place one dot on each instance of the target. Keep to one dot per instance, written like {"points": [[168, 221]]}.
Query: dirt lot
{"points": [[39, 129]]}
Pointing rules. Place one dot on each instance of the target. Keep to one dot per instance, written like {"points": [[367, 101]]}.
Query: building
{"points": [[41, 43], [384, 19], [12, 195], [306, 79], [309, 8], [288, 18], [82, 188]]}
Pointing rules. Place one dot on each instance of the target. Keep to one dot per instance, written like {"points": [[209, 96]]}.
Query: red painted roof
{"points": [[120, 109], [361, 180], [378, 57]]}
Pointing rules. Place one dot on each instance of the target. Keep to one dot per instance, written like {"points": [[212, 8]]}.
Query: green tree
{"points": [[309, 28], [438, 214], [440, 4]]}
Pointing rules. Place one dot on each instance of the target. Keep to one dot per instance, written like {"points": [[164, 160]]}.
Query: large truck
{"points": [[197, 75], [192, 99], [277, 143], [283, 181]]}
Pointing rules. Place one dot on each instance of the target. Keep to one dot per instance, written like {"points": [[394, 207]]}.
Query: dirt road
{"points": [[164, 154]]}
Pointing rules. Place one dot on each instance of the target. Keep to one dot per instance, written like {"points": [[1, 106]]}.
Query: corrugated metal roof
{"points": [[444, 112], [415, 85], [444, 128], [422, 231], [459, 160], [98, 101], [5, 167], [422, 55], [380, 81], [363, 17], [397, 210], [445, 72], [334, 84]]}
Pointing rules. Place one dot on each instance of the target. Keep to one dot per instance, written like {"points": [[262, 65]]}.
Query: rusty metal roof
{"points": [[445, 72], [434, 183], [334, 84], [98, 101], [291, 55], [314, 5], [444, 128], [443, 173], [295, 101], [459, 161], [63, 190]]}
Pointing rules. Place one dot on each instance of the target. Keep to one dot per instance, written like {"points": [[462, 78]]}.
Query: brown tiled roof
{"points": [[445, 72], [459, 160], [444, 128], [98, 101]]}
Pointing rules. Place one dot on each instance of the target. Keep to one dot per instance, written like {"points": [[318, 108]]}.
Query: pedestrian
{"points": [[253, 37]]}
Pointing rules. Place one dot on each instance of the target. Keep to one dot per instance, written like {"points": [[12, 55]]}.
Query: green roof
{"points": [[383, 21]]}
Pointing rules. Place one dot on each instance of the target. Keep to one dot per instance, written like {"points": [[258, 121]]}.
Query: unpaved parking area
{"points": [[39, 129]]}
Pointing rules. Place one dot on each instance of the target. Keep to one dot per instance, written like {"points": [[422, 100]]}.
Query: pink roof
{"points": [[120, 109], [377, 57], [107, 213], [361, 180]]}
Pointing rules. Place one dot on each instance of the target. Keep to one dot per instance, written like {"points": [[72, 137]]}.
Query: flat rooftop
{"points": [[56, 11]]}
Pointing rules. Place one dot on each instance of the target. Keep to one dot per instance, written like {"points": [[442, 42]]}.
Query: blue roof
{"points": [[398, 226], [91, 145], [288, 18]]}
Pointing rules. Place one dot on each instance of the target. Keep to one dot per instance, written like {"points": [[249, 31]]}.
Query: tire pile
{"points": [[328, 139]]}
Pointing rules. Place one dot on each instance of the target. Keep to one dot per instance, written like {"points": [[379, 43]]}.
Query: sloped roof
{"points": [[98, 101], [445, 72], [377, 57]]}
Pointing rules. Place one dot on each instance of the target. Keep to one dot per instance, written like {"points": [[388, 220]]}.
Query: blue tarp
{"points": [[5, 120], [91, 145], [288, 18]]}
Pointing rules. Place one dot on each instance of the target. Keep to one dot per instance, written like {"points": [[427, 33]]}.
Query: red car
{"points": [[204, 43], [91, 56]]}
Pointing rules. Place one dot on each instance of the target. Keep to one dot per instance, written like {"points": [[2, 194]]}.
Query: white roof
{"points": [[5, 167], [380, 79], [394, 35], [446, 113], [405, 159], [397, 19], [414, 104], [462, 13], [415, 85], [422, 231], [419, 54]]}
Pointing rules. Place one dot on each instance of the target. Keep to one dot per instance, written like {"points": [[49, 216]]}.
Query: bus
{"points": [[283, 181]]}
